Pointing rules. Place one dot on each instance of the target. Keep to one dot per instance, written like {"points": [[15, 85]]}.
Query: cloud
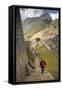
{"points": [[54, 16], [28, 13], [33, 12], [22, 14]]}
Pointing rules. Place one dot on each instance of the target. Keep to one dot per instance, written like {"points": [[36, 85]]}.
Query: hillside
{"points": [[47, 46], [34, 25], [39, 40]]}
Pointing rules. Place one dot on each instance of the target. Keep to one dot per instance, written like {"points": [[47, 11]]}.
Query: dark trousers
{"points": [[42, 69]]}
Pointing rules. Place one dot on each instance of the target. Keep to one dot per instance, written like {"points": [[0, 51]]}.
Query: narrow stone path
{"points": [[37, 76]]}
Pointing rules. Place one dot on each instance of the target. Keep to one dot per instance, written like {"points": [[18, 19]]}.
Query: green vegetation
{"points": [[37, 39], [49, 56], [51, 60], [55, 23]]}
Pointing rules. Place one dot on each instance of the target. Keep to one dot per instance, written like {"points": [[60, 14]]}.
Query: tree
{"points": [[37, 39]]}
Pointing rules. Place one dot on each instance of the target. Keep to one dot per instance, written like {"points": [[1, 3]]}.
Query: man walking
{"points": [[42, 65]]}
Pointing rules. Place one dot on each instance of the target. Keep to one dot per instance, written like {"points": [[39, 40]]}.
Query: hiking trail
{"points": [[36, 75]]}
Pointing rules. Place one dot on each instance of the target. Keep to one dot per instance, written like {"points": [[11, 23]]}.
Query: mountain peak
{"points": [[45, 17]]}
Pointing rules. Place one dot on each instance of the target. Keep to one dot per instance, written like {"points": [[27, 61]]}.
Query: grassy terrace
{"points": [[51, 60]]}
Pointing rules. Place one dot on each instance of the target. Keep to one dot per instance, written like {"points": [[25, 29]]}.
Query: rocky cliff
{"points": [[21, 56]]}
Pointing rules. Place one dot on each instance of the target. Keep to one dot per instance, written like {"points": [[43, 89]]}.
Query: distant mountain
{"points": [[48, 36], [45, 17], [28, 20], [35, 24]]}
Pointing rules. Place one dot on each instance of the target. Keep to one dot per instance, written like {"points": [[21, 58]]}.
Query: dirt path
{"points": [[37, 76]]}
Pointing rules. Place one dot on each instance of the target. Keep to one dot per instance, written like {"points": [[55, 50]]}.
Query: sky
{"points": [[29, 13]]}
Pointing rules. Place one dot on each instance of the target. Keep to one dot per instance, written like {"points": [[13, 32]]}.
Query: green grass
{"points": [[51, 60]]}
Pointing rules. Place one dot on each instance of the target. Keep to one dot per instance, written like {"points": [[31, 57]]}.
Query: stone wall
{"points": [[21, 56]]}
